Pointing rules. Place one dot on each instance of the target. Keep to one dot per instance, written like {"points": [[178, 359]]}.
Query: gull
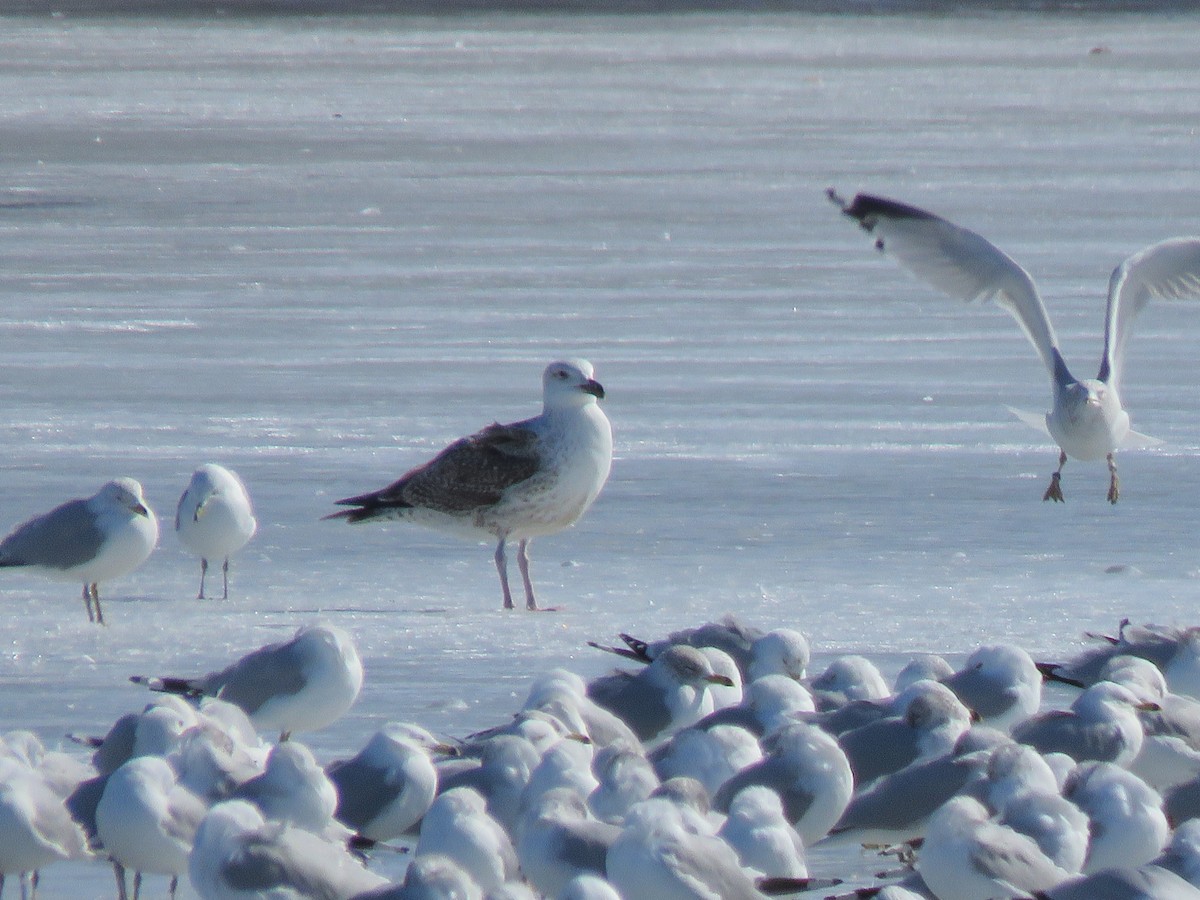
{"points": [[967, 856], [383, 791], [499, 775], [147, 822], [1128, 826], [214, 518], [558, 841], [669, 694], [1001, 683], [809, 772], [104, 537], [1102, 724], [625, 777], [760, 835], [238, 854], [846, 679], [1174, 650], [429, 877], [294, 788], [1087, 420], [709, 755], [769, 702], [509, 482], [298, 685], [35, 827], [458, 825], [931, 720]]}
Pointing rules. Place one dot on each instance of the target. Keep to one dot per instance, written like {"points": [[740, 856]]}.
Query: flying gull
{"points": [[1087, 420], [509, 482], [98, 539], [214, 518]]}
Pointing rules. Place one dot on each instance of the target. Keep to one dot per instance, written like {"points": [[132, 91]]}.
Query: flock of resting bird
{"points": [[708, 772]]}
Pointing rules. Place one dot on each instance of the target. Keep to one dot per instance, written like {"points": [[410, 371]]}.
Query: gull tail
{"points": [[620, 651], [781, 885], [1050, 672], [376, 505], [184, 687], [1135, 440]]}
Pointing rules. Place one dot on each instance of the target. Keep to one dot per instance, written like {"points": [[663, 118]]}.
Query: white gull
{"points": [[214, 518]]}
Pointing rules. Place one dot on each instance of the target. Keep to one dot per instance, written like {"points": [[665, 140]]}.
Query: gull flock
{"points": [[708, 769]]}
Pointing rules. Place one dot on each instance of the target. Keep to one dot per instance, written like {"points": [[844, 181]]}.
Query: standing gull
{"points": [[297, 685], [1087, 420], [214, 519], [98, 539], [510, 482]]}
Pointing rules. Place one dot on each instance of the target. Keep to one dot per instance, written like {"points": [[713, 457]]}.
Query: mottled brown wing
{"points": [[472, 472]]}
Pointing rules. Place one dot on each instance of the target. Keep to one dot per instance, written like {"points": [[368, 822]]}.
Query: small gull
{"points": [[429, 877], [237, 855], [294, 788], [559, 688], [897, 807], [558, 841], [1102, 724], [1182, 855], [302, 684], [927, 666], [458, 825], [625, 777], [568, 764], [386, 788], [1128, 825], [669, 694], [1176, 652], [768, 703], [710, 755], [762, 837], [1056, 825], [1087, 420], [1001, 683], [499, 774], [808, 770], [846, 679], [931, 722], [214, 518], [146, 822], [101, 538], [35, 827], [510, 482], [968, 856]]}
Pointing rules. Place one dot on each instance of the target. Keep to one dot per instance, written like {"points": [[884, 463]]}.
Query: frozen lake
{"points": [[317, 250]]}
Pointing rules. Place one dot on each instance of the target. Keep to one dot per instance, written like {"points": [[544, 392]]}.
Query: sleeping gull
{"points": [[558, 841], [297, 685], [98, 539], [1000, 683], [386, 788], [968, 856], [237, 853], [1128, 825], [458, 825], [35, 827], [510, 482], [1102, 724], [214, 518], [146, 821], [1087, 420]]}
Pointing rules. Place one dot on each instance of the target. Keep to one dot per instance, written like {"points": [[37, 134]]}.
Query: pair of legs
{"points": [[204, 571], [91, 594], [1054, 492], [523, 565]]}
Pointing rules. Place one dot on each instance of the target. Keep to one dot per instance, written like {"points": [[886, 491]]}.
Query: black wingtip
{"points": [[1050, 673], [619, 651]]}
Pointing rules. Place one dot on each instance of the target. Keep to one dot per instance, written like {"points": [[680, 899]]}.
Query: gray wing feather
{"points": [[1063, 732], [65, 537], [363, 790], [641, 707], [1168, 270], [258, 677]]}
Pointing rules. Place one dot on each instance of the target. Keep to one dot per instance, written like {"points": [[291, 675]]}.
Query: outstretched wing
{"points": [[1168, 270], [472, 472], [960, 263]]}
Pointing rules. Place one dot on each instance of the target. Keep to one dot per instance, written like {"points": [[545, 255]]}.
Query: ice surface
{"points": [[316, 250]]}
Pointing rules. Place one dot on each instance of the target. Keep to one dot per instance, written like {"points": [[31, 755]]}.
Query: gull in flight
{"points": [[1087, 420], [98, 539], [214, 518], [509, 482]]}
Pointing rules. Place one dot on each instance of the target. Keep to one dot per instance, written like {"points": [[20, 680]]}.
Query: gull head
{"points": [[569, 383], [125, 493]]}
